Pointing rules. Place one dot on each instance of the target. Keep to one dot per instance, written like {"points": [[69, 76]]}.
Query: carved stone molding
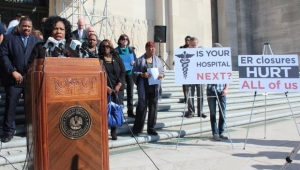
{"points": [[139, 31]]}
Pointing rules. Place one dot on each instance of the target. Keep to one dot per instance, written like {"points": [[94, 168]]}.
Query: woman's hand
{"points": [[132, 63], [145, 75], [109, 90], [160, 76]]}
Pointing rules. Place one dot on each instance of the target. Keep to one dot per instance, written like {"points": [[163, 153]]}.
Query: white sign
{"points": [[268, 73], [203, 65]]}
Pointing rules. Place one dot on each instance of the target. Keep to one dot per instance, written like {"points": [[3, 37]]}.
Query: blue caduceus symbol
{"points": [[185, 62]]}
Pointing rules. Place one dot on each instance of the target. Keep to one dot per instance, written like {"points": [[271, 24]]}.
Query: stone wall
{"points": [[276, 22], [246, 25], [137, 19]]}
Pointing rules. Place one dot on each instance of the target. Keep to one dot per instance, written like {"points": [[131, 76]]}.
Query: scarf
{"points": [[123, 51]]}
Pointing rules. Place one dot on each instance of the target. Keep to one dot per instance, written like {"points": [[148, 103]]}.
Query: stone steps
{"points": [[15, 151], [169, 118]]}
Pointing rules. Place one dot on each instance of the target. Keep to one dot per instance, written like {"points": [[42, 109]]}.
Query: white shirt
{"points": [[80, 33], [11, 26]]}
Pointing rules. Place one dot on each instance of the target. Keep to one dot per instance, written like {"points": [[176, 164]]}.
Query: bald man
{"points": [[79, 33], [89, 31]]}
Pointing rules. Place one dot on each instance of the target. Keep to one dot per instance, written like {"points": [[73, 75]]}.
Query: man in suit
{"points": [[79, 34], [15, 51]]}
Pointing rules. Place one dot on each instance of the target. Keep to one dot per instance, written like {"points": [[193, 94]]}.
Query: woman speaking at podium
{"points": [[59, 45]]}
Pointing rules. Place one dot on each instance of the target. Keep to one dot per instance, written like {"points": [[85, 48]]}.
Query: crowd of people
{"points": [[22, 44], [21, 47]]}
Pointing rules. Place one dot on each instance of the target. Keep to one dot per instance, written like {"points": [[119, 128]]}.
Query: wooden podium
{"points": [[66, 115]]}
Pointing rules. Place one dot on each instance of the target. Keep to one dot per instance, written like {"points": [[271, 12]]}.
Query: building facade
{"points": [[242, 25]]}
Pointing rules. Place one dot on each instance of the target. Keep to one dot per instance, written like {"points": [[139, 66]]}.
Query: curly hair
{"points": [[101, 52], [50, 25]]}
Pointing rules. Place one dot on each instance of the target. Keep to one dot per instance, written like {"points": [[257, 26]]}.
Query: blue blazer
{"points": [[14, 55]]}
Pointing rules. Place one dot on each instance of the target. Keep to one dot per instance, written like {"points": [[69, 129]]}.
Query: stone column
{"points": [[172, 9], [244, 25], [227, 22], [51, 8], [160, 19]]}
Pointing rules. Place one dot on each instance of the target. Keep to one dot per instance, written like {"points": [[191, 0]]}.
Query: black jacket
{"points": [[119, 70]]}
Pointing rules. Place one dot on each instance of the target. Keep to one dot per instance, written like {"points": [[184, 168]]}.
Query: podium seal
{"points": [[75, 122]]}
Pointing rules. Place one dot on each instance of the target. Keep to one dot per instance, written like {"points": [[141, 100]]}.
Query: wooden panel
{"points": [[63, 150], [84, 86]]}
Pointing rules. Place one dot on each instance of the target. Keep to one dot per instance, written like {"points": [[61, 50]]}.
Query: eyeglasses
{"points": [[105, 46], [124, 39]]}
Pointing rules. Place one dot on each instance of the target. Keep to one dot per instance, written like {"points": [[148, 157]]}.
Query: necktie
{"points": [[80, 33], [25, 41]]}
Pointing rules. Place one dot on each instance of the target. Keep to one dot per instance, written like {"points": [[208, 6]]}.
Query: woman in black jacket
{"points": [[115, 71]]}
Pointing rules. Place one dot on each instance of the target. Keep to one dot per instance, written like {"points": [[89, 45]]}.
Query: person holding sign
{"points": [[221, 90], [148, 94], [200, 91], [127, 53]]}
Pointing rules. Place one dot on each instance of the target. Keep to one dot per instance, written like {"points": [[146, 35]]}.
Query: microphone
{"points": [[50, 44], [87, 50], [84, 45], [75, 45], [64, 51], [61, 46]]}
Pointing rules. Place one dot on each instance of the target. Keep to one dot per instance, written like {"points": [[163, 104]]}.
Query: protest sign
{"points": [[268, 73], [203, 66]]}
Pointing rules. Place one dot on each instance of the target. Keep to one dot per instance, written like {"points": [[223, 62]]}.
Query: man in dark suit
{"points": [[79, 34], [15, 51]]}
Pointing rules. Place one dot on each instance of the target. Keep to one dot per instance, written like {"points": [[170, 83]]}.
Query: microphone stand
{"points": [[78, 51], [159, 56], [50, 45], [50, 52]]}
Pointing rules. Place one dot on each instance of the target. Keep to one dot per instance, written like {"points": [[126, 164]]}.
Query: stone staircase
{"points": [[169, 118]]}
